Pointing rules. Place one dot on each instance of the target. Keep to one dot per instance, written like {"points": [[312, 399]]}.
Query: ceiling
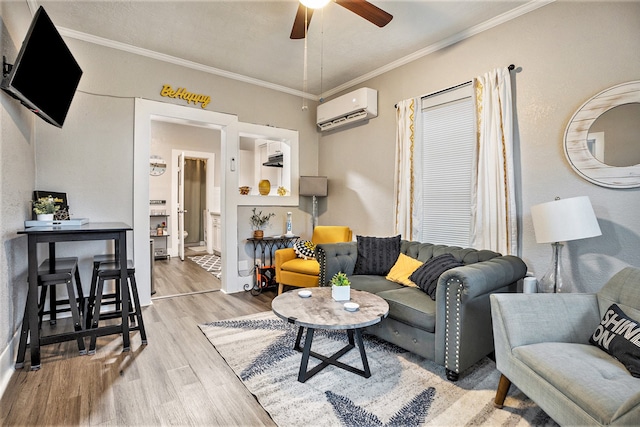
{"points": [[249, 40]]}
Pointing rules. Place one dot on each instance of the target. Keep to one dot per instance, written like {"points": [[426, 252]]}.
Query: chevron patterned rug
{"points": [[211, 263], [403, 390]]}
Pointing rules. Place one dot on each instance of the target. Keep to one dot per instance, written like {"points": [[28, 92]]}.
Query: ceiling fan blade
{"points": [[368, 11], [298, 30]]}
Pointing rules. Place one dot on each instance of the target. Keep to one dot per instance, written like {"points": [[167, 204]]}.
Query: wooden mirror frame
{"points": [[575, 138]]}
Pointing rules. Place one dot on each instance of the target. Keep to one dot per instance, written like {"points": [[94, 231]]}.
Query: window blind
{"points": [[448, 138]]}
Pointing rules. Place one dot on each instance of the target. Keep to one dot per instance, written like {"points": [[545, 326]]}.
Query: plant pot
{"points": [[264, 187], [44, 217], [341, 293], [258, 234]]}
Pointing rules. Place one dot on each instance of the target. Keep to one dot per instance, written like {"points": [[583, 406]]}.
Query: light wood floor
{"points": [[178, 378], [174, 277]]}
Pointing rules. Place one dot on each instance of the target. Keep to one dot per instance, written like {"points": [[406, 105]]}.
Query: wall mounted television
{"points": [[45, 74]]}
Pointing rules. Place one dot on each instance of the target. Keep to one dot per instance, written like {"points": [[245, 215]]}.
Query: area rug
{"points": [[403, 390], [211, 263], [197, 248]]}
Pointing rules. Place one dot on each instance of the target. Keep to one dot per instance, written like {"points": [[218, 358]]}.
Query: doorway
{"points": [[192, 150], [195, 203], [144, 113]]}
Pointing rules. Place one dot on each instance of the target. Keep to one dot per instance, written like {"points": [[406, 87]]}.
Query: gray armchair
{"points": [[542, 346]]}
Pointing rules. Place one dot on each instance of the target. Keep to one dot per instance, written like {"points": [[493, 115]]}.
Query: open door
{"points": [[181, 210]]}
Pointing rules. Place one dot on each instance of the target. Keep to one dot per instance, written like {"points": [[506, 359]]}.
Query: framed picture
{"points": [[60, 198]]}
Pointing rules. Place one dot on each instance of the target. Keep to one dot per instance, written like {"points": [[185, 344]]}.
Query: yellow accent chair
{"points": [[303, 273]]}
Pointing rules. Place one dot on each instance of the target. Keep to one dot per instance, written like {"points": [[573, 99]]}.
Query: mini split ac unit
{"points": [[361, 104]]}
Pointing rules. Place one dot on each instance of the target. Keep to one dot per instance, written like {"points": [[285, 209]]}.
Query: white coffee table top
{"points": [[321, 311]]}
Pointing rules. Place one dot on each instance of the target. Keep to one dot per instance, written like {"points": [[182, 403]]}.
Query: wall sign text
{"points": [[182, 93]]}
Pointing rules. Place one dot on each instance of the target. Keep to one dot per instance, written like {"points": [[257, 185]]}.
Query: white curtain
{"points": [[407, 211], [493, 217]]}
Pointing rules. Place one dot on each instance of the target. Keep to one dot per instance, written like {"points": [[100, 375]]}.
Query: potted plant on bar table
{"points": [[258, 222], [44, 208]]}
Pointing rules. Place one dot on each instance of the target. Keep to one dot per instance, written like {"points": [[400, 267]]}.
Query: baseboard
{"points": [[7, 362]]}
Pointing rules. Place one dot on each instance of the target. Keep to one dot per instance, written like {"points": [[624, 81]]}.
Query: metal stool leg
{"points": [[41, 303], [136, 301], [95, 319], [53, 309], [75, 313]]}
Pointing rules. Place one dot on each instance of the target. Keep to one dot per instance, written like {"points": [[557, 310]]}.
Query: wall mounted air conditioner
{"points": [[361, 104]]}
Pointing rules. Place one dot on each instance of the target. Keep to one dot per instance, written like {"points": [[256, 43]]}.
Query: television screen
{"points": [[45, 74]]}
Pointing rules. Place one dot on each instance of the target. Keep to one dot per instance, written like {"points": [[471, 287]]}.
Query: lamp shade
{"points": [[564, 220], [313, 186]]}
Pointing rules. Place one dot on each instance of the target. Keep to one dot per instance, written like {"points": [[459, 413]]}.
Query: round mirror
{"points": [[602, 139]]}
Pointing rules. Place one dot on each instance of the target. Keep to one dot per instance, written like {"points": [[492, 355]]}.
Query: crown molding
{"points": [[500, 19], [78, 35]]}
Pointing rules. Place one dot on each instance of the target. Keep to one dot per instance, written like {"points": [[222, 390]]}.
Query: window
{"points": [[448, 147]]}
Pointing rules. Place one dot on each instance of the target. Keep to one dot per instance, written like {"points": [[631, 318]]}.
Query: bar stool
{"points": [[111, 271], [107, 299], [63, 272]]}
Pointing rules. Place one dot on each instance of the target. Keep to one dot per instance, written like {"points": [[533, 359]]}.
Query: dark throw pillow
{"points": [[427, 275], [619, 335], [376, 255]]}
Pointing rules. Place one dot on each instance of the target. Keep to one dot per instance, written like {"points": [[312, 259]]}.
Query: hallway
{"points": [[176, 277]]}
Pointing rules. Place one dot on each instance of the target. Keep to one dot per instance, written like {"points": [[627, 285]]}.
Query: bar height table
{"points": [[115, 231]]}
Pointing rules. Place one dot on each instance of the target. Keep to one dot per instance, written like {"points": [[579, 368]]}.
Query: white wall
{"points": [[564, 52]]}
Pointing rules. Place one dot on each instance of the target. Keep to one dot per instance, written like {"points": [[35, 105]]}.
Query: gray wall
{"points": [[565, 53], [91, 158], [17, 168]]}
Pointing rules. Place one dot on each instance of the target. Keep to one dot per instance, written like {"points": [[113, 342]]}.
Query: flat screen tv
{"points": [[45, 74]]}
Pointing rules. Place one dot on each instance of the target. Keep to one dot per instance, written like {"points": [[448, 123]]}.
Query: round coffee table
{"points": [[320, 311]]}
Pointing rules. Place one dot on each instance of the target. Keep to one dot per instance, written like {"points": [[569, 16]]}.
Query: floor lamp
{"points": [[560, 221], [314, 186]]}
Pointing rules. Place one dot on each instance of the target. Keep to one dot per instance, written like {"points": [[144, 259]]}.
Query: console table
{"points": [[260, 249], [115, 231]]}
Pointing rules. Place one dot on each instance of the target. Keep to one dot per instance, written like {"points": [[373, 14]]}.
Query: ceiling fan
{"points": [[363, 8]]}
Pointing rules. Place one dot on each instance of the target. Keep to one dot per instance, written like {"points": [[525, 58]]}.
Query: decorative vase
{"points": [[44, 217], [341, 293], [258, 234], [264, 187]]}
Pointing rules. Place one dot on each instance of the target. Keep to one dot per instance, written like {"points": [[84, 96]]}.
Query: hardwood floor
{"points": [[174, 276], [178, 378]]}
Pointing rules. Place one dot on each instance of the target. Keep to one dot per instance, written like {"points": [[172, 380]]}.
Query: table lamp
{"points": [[315, 186], [560, 221]]}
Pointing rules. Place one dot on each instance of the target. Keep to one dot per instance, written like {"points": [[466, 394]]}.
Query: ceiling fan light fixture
{"points": [[315, 4]]}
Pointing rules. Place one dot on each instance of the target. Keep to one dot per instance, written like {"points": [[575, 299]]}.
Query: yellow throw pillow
{"points": [[402, 269]]}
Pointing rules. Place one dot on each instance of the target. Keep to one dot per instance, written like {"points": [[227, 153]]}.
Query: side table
{"points": [[264, 276]]}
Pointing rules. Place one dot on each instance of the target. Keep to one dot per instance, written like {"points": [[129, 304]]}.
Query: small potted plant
{"points": [[258, 222], [44, 208], [340, 287]]}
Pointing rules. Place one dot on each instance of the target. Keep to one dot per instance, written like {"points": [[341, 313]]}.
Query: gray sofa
{"points": [[455, 329], [542, 346]]}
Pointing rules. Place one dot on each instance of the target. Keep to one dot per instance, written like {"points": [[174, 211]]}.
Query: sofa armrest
{"points": [[485, 277], [522, 319], [334, 258], [282, 256], [463, 311]]}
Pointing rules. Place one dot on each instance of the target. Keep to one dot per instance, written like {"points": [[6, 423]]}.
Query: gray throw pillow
{"points": [[376, 255], [619, 335], [426, 276]]}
